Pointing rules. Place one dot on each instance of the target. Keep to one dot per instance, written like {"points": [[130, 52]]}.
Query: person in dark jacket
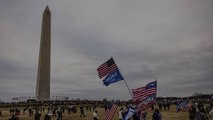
{"points": [[82, 111], [47, 116], [192, 112], [60, 117], [37, 115], [201, 115], [0, 113], [135, 117], [156, 115]]}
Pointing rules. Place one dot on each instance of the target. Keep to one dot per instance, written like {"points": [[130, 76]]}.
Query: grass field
{"points": [[167, 115]]}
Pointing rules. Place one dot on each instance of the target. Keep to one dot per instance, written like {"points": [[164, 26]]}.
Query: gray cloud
{"points": [[169, 40]]}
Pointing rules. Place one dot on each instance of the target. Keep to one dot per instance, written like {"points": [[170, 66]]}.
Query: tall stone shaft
{"points": [[43, 76]]}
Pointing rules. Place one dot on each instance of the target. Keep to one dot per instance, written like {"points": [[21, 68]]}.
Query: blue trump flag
{"points": [[113, 77], [151, 85], [131, 111]]}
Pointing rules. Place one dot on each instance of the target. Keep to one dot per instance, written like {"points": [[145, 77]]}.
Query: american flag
{"points": [[142, 107], [111, 109], [106, 68], [141, 93], [184, 105], [144, 97]]}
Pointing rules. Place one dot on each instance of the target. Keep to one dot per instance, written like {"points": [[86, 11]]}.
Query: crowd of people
{"points": [[51, 111], [197, 111]]}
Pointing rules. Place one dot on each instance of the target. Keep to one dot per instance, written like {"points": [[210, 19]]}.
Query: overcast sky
{"points": [[169, 40]]}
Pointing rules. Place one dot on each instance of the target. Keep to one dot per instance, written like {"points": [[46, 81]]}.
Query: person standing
{"points": [[82, 111], [95, 115], [69, 110], [24, 111], [135, 116], [156, 115], [211, 115], [59, 115], [54, 112], [201, 114], [121, 114], [30, 112], [192, 112], [47, 116], [143, 115], [37, 115]]}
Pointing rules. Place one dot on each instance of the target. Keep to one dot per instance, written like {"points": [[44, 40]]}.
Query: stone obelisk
{"points": [[43, 76]]}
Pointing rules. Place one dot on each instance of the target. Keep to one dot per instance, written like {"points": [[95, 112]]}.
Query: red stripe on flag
{"points": [[141, 94], [103, 70], [142, 108], [110, 113]]}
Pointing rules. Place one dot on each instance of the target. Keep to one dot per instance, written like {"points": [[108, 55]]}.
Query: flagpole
{"points": [[128, 88], [156, 93]]}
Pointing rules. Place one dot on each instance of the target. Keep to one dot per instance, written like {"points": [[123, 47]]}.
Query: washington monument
{"points": [[43, 76]]}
